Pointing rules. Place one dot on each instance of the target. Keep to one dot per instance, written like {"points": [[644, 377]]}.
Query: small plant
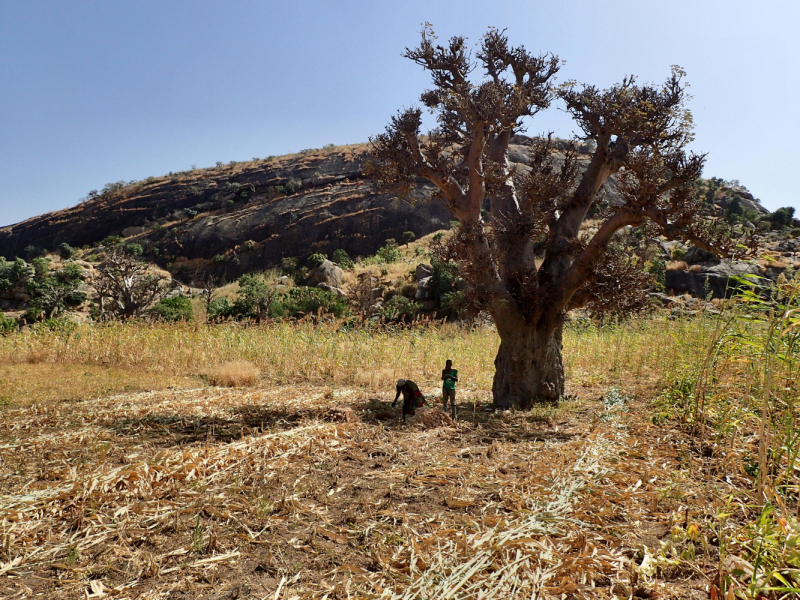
{"points": [[289, 264], [341, 258], [249, 245], [218, 258], [389, 253], [443, 277], [111, 240], [134, 249], [73, 555], [198, 544], [177, 308], [293, 185], [110, 188], [304, 301], [658, 269], [782, 217], [400, 308], [316, 260], [65, 251], [7, 325], [408, 237], [41, 267]]}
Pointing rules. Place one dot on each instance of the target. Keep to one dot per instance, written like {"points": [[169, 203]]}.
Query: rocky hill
{"points": [[238, 217]]}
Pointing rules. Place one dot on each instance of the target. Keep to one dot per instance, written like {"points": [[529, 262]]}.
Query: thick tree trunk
{"points": [[528, 367]]}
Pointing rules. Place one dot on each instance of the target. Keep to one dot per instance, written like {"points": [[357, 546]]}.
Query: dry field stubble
{"points": [[308, 485]]}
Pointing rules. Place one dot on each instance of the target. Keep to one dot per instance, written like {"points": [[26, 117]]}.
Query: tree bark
{"points": [[528, 367]]}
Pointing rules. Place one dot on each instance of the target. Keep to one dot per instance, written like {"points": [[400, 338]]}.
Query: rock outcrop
{"points": [[237, 218], [328, 273], [714, 278]]}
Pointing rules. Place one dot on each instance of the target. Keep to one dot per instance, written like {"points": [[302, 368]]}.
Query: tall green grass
{"points": [[740, 401]]}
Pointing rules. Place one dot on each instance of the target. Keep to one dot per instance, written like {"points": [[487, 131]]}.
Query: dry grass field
{"points": [[125, 474]]}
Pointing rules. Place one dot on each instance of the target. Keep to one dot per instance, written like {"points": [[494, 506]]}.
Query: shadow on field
{"points": [[170, 430], [245, 420], [509, 426]]}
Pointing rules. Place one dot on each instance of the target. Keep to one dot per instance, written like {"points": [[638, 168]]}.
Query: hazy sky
{"points": [[97, 91]]}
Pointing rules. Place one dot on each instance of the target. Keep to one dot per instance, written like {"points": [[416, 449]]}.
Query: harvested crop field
{"points": [[306, 491]]}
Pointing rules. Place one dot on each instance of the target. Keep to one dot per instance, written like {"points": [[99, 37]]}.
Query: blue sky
{"points": [[97, 91]]}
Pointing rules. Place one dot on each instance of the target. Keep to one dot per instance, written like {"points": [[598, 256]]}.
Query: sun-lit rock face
{"points": [[247, 215]]}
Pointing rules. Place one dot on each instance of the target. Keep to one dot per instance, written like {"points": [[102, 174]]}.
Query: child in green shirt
{"points": [[449, 378]]}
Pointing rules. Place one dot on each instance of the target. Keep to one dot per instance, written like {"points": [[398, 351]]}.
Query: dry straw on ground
{"points": [[235, 373]]}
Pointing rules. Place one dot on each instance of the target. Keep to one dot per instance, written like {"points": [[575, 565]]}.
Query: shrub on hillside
{"points": [[341, 258], [316, 260], [452, 304], [53, 292], [389, 252], [111, 240], [443, 277], [7, 325], [782, 217], [65, 251], [400, 308], [658, 269], [302, 301], [256, 293], [289, 264], [134, 249], [220, 309], [177, 308], [14, 274]]}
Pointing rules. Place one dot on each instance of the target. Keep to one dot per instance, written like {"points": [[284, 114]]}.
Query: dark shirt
{"points": [[410, 390]]}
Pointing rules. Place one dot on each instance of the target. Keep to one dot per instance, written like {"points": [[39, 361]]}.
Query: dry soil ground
{"points": [[312, 492]]}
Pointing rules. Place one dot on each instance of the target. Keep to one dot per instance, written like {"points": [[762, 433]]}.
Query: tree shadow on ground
{"points": [[243, 421], [472, 417]]}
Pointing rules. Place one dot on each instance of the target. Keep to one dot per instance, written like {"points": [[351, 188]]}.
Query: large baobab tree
{"points": [[528, 261]]}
